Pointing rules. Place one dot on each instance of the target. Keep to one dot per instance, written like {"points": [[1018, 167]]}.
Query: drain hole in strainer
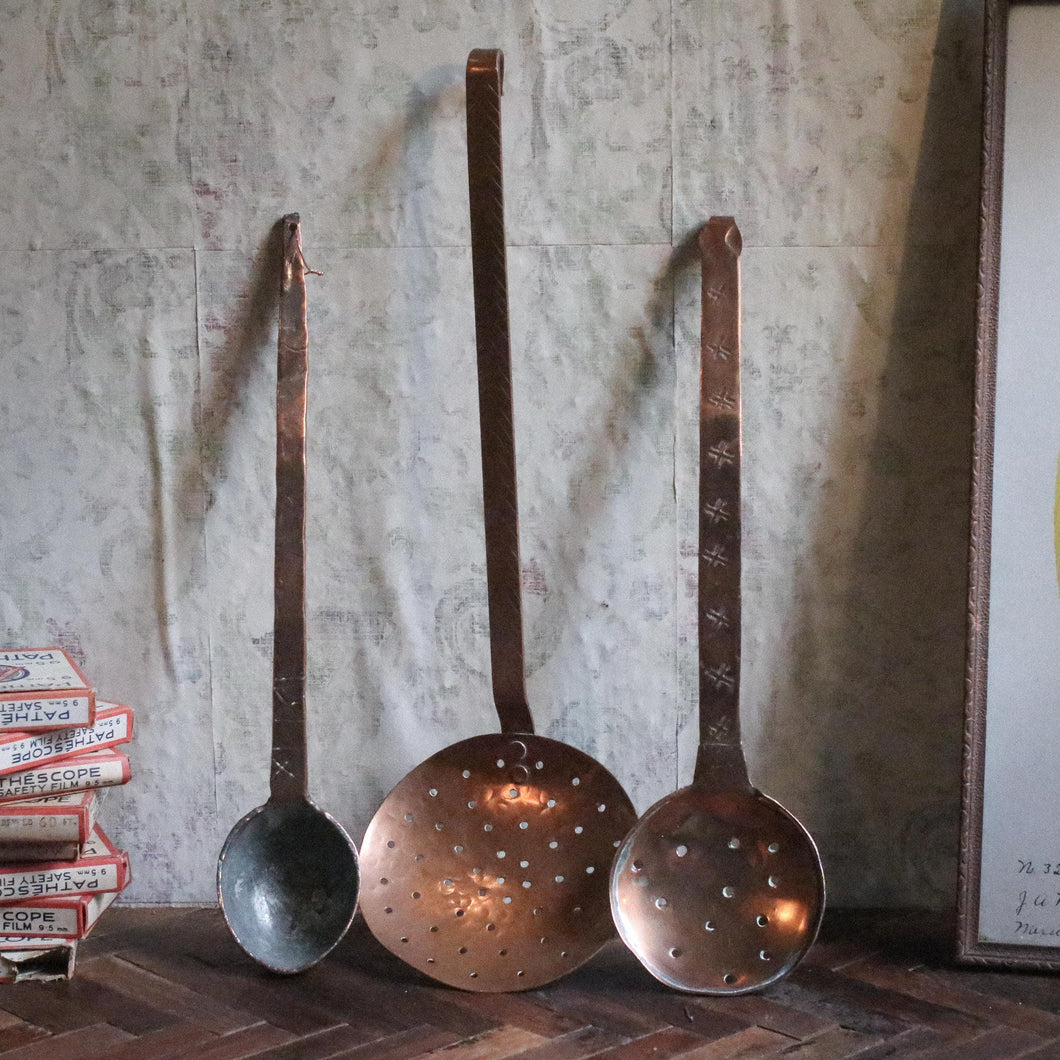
{"points": [[601, 807], [463, 949], [681, 850], [500, 853], [728, 892], [773, 848], [466, 774], [559, 879], [675, 952], [575, 781], [773, 881], [709, 926], [729, 978], [661, 903], [500, 763], [761, 921], [507, 899], [524, 824], [433, 792], [590, 869], [765, 955], [578, 829], [460, 912]]}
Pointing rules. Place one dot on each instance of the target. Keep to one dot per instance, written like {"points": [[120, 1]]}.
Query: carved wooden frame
{"points": [[971, 948]]}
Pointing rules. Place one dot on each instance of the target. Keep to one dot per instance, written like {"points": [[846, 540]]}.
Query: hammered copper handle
{"points": [[288, 776], [485, 73], [720, 449]]}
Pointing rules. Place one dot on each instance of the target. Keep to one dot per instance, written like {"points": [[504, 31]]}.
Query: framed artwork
{"points": [[1009, 900]]}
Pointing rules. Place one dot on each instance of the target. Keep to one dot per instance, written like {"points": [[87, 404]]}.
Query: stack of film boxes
{"points": [[58, 754]]}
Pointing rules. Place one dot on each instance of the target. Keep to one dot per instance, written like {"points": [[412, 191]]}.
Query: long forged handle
{"points": [[485, 75], [288, 776], [720, 759]]}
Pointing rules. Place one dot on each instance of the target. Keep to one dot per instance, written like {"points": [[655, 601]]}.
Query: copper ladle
{"points": [[486, 867], [287, 876], [718, 889]]}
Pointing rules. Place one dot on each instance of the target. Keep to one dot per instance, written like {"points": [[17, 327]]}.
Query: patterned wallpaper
{"points": [[150, 149]]}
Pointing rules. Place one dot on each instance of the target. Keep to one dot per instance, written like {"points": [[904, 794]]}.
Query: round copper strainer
{"points": [[487, 866], [718, 889]]}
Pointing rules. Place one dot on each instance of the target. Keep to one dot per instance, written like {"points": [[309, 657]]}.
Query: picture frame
{"points": [[1008, 911]]}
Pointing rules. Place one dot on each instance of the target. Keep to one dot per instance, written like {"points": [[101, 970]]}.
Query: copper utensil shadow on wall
{"points": [[718, 889], [287, 876], [486, 866]]}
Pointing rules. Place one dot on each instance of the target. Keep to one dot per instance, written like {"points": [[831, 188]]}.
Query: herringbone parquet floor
{"points": [[171, 983]]}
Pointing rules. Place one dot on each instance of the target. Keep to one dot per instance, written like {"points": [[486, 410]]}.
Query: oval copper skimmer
{"points": [[287, 876], [486, 867], [718, 889]]}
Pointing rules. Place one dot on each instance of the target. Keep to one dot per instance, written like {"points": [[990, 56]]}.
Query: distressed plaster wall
{"points": [[149, 150]]}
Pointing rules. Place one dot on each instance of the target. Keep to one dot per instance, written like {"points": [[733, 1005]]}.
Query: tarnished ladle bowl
{"points": [[718, 889], [288, 884], [287, 875]]}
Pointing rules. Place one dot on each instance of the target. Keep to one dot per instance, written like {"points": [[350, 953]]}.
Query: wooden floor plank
{"points": [[172, 984], [14, 1037], [139, 987], [752, 1043], [336, 1041], [73, 1045], [762, 1010], [948, 991], [405, 1045], [915, 1042], [991, 1044], [834, 1044], [493, 1045], [54, 1006], [257, 994], [164, 1044], [660, 1045], [575, 1045], [252, 1041]]}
